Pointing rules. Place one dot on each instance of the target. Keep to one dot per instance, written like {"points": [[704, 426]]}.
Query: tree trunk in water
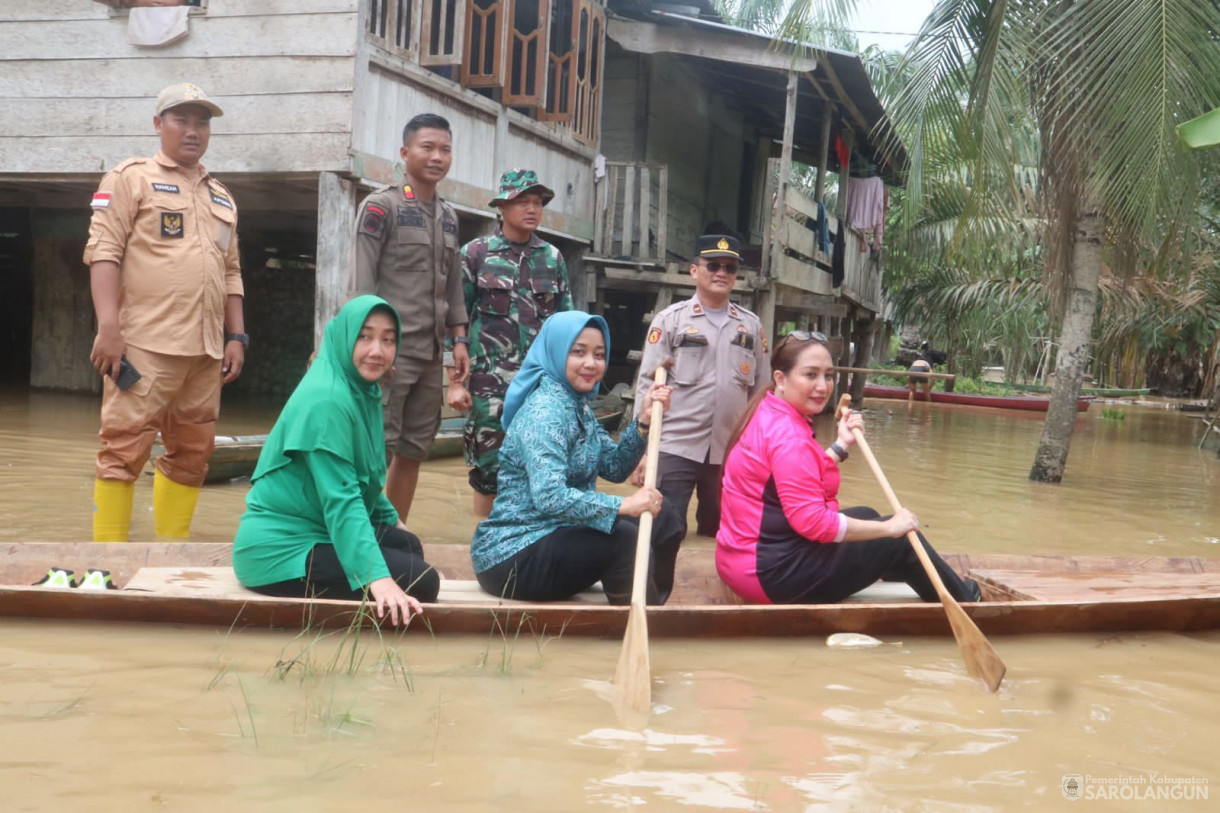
{"points": [[1074, 338]]}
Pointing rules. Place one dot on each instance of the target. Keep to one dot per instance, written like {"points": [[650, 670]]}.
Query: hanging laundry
{"points": [[866, 207], [157, 26]]}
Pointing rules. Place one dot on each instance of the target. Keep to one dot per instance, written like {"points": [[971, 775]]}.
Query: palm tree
{"points": [[1103, 83]]}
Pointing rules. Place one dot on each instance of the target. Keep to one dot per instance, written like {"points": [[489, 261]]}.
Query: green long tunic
{"points": [[320, 476]]}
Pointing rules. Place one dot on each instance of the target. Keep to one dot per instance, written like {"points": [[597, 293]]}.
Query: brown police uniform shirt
{"points": [[716, 370], [409, 257], [173, 232]]}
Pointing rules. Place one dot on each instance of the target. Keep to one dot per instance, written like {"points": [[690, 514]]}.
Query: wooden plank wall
{"points": [[76, 97]]}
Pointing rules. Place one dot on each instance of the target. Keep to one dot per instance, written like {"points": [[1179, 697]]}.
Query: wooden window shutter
{"points": [[590, 42], [560, 63], [394, 25], [441, 29], [486, 35], [527, 53]]}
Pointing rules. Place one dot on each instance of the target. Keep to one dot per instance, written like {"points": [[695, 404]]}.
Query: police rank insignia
{"points": [[171, 224], [654, 335], [408, 193]]}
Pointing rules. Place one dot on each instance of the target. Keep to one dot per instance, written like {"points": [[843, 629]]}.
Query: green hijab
{"points": [[334, 409]]}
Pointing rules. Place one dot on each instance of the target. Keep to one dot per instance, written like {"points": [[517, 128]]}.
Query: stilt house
{"points": [[650, 122]]}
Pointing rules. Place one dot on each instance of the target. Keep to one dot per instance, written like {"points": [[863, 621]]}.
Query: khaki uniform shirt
{"points": [[173, 232], [410, 259], [715, 372]]}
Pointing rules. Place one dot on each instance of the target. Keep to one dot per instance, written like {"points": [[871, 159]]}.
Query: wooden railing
{"points": [[802, 264], [631, 211]]}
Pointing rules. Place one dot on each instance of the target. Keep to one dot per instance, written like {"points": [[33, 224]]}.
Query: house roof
{"points": [[753, 71]]}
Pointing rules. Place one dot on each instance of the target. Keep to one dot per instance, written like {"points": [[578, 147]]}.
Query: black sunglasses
{"points": [[713, 266]]}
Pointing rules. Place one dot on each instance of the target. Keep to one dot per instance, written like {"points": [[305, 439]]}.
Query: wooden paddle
{"points": [[980, 656], [633, 677]]}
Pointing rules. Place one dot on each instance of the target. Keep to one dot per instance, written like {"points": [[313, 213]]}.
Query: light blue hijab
{"points": [[548, 356]]}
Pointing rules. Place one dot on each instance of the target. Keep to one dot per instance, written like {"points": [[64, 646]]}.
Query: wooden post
{"points": [[628, 210], [336, 214], [864, 350], [645, 210], [500, 159], [765, 301], [819, 189], [846, 327]]}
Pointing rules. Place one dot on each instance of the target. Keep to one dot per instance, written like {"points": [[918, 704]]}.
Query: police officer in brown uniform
{"points": [[720, 360], [407, 253], [166, 281]]}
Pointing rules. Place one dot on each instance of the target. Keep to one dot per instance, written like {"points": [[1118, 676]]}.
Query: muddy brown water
{"points": [[130, 717]]}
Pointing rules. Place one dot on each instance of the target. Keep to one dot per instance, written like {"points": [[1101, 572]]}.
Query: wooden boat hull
{"points": [[1081, 594], [1028, 403], [236, 455]]}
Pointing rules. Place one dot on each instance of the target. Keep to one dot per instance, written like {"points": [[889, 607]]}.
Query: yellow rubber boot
{"points": [[173, 507], [112, 510]]}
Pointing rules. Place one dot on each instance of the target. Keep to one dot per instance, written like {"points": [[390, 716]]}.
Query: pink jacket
{"points": [[778, 485]]}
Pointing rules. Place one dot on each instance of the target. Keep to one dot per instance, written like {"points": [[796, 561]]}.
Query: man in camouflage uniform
{"points": [[513, 280]]}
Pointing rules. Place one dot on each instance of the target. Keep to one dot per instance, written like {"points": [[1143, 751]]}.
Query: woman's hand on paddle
{"points": [[901, 523], [388, 597], [657, 392], [851, 420], [646, 499]]}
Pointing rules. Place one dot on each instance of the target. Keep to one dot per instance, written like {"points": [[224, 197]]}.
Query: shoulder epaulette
{"points": [[131, 162]]}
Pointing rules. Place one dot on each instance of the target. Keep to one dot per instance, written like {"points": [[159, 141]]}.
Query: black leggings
{"points": [[573, 559], [325, 577], [826, 573]]}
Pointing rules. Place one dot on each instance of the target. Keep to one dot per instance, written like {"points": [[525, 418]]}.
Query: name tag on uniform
{"points": [[693, 340], [223, 201], [165, 187], [743, 340], [411, 217], [171, 225]]}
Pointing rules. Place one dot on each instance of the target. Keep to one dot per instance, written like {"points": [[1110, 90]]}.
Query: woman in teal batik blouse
{"points": [[551, 534]]}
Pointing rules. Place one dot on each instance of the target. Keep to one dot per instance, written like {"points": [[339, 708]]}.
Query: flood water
{"points": [[114, 717]]}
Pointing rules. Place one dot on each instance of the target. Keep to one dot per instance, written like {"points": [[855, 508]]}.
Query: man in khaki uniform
{"points": [[407, 252], [720, 360], [166, 281]]}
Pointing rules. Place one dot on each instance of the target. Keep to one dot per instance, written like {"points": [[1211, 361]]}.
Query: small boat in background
{"points": [[1029, 403], [1100, 392], [236, 456]]}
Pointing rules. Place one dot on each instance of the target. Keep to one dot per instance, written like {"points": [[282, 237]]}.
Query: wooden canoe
{"points": [[192, 583], [236, 455], [1028, 403]]}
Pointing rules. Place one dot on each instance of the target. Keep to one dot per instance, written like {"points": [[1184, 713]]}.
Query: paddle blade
{"points": [[982, 661], [633, 677]]}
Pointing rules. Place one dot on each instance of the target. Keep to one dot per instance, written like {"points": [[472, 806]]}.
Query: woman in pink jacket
{"points": [[783, 538]]}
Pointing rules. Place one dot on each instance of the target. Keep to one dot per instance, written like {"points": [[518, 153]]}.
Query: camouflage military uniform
{"points": [[510, 289]]}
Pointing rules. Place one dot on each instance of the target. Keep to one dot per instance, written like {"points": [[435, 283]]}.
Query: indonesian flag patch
{"points": [[101, 200]]}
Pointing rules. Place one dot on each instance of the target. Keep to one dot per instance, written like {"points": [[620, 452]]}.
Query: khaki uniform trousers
{"points": [[177, 395]]}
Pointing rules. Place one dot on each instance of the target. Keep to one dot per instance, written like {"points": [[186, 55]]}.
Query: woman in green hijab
{"points": [[317, 522]]}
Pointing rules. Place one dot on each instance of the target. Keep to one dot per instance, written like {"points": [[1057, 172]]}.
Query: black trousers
{"points": [[828, 572], [679, 478], [573, 559], [325, 577]]}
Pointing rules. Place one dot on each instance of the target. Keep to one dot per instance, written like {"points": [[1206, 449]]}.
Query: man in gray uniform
{"points": [[407, 252], [720, 360]]}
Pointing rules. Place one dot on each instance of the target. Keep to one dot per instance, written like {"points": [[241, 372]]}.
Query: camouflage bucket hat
{"points": [[515, 182]]}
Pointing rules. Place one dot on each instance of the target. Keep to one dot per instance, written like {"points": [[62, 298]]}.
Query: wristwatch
{"points": [[461, 340], [241, 338]]}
